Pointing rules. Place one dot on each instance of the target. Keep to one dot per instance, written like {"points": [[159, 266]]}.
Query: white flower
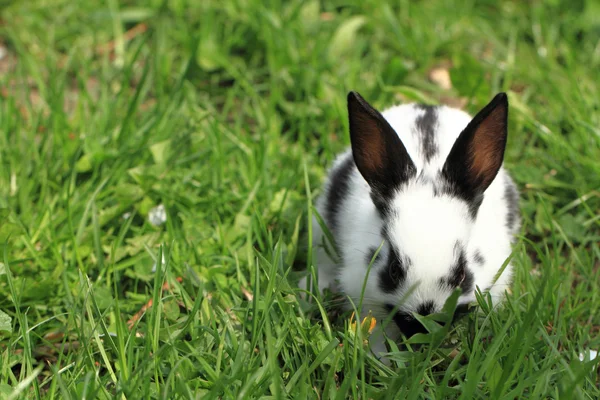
{"points": [[591, 355], [158, 215]]}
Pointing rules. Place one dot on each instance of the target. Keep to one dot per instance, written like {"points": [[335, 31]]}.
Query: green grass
{"points": [[228, 113]]}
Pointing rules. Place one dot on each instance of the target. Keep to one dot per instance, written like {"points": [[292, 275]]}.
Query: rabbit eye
{"points": [[395, 271], [392, 275], [463, 275]]}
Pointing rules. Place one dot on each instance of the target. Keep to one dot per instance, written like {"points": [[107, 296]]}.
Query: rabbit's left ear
{"points": [[477, 154], [378, 152]]}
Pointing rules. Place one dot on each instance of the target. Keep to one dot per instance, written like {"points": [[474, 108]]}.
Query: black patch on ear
{"points": [[426, 308], [339, 187], [478, 153], [378, 152], [393, 274], [478, 257], [460, 276], [511, 196], [371, 254], [426, 124]]}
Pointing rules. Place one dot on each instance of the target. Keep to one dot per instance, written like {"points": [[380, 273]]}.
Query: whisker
{"points": [[359, 250], [370, 233]]}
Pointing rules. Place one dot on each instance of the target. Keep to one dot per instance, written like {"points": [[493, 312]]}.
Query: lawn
{"points": [[225, 114]]}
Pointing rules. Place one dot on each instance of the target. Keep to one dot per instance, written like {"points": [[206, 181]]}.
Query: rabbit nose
{"points": [[407, 324]]}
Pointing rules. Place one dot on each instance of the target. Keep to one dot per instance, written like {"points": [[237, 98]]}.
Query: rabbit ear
{"points": [[378, 152], [477, 154]]}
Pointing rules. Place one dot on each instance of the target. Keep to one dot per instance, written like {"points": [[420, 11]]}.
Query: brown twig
{"points": [[138, 315], [247, 294], [127, 36]]}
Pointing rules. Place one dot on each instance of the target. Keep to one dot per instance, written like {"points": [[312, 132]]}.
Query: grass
{"points": [[228, 113]]}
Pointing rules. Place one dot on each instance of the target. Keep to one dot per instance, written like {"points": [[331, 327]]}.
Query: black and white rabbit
{"points": [[428, 182]]}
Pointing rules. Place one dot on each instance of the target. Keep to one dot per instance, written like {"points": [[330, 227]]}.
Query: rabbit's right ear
{"points": [[477, 154], [378, 152]]}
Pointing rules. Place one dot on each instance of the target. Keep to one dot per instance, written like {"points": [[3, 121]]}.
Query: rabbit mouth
{"points": [[407, 324], [410, 326]]}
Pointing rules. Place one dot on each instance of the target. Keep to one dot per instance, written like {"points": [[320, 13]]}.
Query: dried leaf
{"points": [[441, 77]]}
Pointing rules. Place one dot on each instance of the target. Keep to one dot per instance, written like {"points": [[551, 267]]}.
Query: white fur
{"points": [[424, 226]]}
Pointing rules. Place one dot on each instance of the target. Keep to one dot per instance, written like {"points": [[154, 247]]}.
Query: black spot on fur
{"points": [[460, 276], [478, 257], [512, 200], [474, 205], [393, 274], [424, 179], [426, 308], [449, 189], [384, 232], [426, 127], [338, 191], [371, 254]]}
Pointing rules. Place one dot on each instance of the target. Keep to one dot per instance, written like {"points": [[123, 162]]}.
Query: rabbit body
{"points": [[444, 216]]}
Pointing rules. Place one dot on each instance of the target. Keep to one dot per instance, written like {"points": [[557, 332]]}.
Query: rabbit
{"points": [[425, 186]]}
